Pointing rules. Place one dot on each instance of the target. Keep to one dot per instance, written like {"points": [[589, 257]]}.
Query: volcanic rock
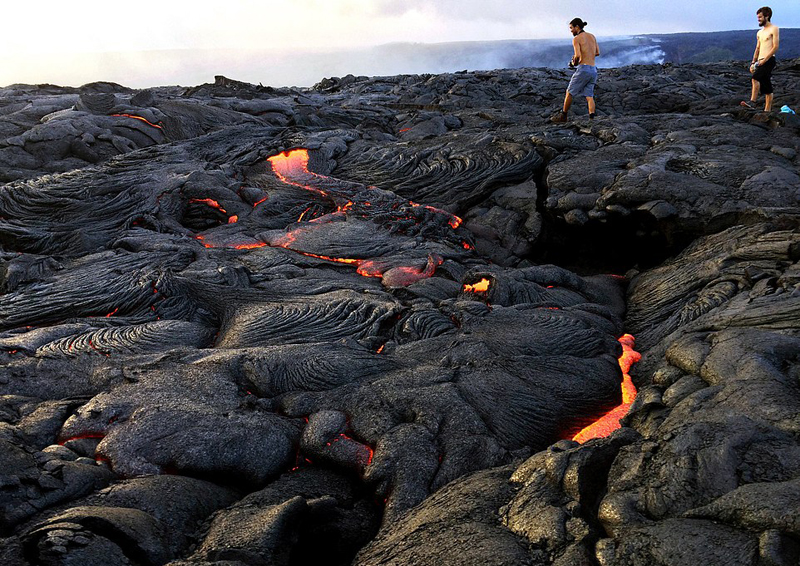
{"points": [[362, 323]]}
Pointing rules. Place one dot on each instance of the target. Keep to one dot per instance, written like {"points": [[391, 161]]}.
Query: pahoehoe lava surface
{"points": [[360, 323]]}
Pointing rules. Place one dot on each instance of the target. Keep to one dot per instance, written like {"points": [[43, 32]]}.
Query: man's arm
{"points": [[576, 46], [775, 43], [758, 48]]}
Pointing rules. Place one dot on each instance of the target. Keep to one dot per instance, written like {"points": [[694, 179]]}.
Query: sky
{"points": [[151, 42]]}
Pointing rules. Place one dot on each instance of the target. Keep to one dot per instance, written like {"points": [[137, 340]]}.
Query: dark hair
{"points": [[767, 11], [579, 23]]}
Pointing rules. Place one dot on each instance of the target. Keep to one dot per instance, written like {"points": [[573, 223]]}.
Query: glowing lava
{"points": [[481, 286], [371, 268], [210, 202], [327, 258], [251, 245], [453, 220], [609, 422], [88, 435], [291, 167], [138, 118], [404, 276]]}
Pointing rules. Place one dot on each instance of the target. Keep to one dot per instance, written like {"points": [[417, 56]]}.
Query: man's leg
{"points": [[765, 80], [590, 102], [754, 92], [567, 102], [561, 117]]}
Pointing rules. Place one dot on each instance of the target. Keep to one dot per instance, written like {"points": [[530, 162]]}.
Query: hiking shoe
{"points": [[559, 118], [747, 104], [592, 115]]}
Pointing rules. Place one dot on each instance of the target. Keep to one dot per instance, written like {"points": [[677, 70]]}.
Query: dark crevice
{"points": [[635, 242], [615, 246]]}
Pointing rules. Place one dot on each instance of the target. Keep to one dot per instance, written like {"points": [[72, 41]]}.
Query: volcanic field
{"points": [[396, 320]]}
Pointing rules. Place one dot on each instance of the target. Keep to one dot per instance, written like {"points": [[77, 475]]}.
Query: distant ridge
{"points": [[616, 51]]}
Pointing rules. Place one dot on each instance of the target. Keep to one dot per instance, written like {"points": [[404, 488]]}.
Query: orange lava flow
{"points": [[253, 246], [481, 286], [242, 246], [303, 215], [453, 220], [292, 165], [609, 422], [327, 258], [88, 435], [210, 202], [370, 268], [403, 276], [138, 118]]}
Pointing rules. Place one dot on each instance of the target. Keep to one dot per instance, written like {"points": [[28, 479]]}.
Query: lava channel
{"points": [[149, 123], [609, 422], [291, 167]]}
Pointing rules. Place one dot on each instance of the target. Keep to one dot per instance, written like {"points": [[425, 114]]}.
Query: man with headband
{"points": [[585, 77]]}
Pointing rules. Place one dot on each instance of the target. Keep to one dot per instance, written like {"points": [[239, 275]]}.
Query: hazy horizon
{"points": [[281, 44]]}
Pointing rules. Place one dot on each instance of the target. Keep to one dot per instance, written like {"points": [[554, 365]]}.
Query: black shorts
{"points": [[763, 75]]}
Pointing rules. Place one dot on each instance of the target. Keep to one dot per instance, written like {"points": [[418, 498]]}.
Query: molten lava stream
{"points": [[138, 118], [609, 422], [210, 202], [291, 167]]}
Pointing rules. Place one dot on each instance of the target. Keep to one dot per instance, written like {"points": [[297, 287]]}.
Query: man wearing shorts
{"points": [[585, 77], [763, 63]]}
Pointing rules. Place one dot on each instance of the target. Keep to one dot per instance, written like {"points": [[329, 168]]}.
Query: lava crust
{"points": [[362, 323]]}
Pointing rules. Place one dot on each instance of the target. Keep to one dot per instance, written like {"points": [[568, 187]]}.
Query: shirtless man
{"points": [[585, 77], [764, 59]]}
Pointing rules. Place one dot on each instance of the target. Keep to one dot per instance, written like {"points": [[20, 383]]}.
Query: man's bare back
{"points": [[582, 83], [586, 48]]}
